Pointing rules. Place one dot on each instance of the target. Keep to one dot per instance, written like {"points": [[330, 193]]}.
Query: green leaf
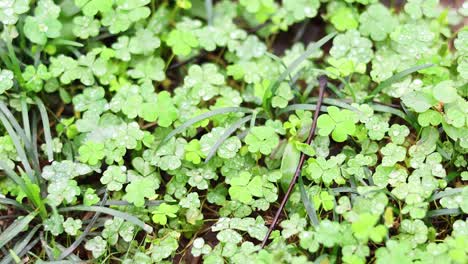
{"points": [[262, 139], [340, 123], [445, 92], [377, 22], [163, 212]]}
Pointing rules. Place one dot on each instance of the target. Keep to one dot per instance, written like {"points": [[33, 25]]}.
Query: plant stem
{"points": [[322, 85]]}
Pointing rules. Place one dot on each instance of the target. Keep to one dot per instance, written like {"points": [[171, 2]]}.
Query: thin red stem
{"points": [[322, 85]]}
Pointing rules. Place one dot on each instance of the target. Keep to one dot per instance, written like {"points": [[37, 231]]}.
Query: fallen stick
{"points": [[322, 85]]}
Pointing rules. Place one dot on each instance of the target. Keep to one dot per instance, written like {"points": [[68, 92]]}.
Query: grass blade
{"points": [[335, 102], [68, 251], [338, 190], [15, 228], [11, 202], [190, 122], [440, 212], [437, 196], [46, 127], [65, 42], [25, 116], [71, 256], [130, 218], [18, 248], [225, 136], [393, 111], [272, 87], [309, 107], [310, 208], [4, 109], [396, 78], [18, 147], [125, 203], [209, 11]]}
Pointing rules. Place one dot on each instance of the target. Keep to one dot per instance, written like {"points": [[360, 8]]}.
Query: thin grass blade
{"points": [[309, 206], [396, 78], [11, 202], [209, 11], [308, 107], [25, 116], [12, 119], [21, 154], [71, 256], [65, 42], [125, 203], [226, 135], [190, 122], [130, 218], [46, 127], [450, 192], [446, 211], [22, 244], [15, 228], [393, 111], [68, 251], [272, 88], [10, 173]]}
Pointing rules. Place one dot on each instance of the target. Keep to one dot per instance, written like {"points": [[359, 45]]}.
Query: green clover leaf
{"points": [[35, 77], [262, 139], [377, 22], [398, 133], [200, 177], [54, 224], [340, 123], [85, 27], [392, 154], [193, 151], [91, 152], [10, 11], [92, 99], [445, 92], [144, 42], [92, 7], [62, 190], [166, 112], [429, 117], [204, 82], [44, 24], [344, 18], [352, 46], [90, 197], [182, 42], [148, 68], [114, 177], [282, 96], [324, 200], [6, 80], [365, 228], [294, 225], [72, 226], [139, 189], [376, 127], [244, 187], [163, 212], [97, 245], [326, 171], [301, 9], [168, 156], [416, 8]]}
